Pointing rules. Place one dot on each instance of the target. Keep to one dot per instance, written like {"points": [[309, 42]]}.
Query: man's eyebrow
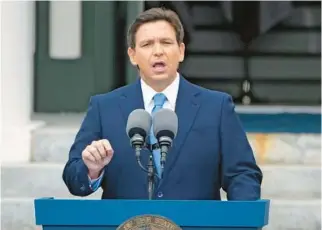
{"points": [[152, 40], [145, 41]]}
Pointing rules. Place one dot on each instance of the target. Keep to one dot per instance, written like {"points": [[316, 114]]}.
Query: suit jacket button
{"points": [[160, 194]]}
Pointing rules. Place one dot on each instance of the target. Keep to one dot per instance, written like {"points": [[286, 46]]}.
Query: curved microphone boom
{"points": [[165, 128], [137, 128]]}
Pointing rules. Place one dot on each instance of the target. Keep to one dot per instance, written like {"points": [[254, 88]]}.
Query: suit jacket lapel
{"points": [[187, 106], [131, 99]]}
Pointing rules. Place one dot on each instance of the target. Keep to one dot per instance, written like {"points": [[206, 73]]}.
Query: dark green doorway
{"points": [[64, 85]]}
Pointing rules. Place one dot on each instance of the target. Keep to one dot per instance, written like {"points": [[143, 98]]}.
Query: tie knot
{"points": [[159, 99]]}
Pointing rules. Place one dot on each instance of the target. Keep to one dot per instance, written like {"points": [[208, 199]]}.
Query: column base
{"points": [[16, 142]]}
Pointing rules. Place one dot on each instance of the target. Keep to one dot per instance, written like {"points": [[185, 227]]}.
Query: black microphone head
{"points": [[138, 122], [165, 124]]}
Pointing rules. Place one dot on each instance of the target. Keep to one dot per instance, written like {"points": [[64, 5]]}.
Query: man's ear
{"points": [[131, 54], [182, 48]]}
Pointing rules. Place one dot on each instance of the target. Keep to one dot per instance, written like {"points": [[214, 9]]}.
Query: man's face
{"points": [[157, 52]]}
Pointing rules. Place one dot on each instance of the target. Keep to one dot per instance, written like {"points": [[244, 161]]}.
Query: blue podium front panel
{"points": [[64, 214]]}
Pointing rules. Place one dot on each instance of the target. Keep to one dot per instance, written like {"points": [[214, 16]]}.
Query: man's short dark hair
{"points": [[153, 15]]}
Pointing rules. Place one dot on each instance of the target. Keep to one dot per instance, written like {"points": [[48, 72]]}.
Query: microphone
{"points": [[137, 128], [165, 128]]}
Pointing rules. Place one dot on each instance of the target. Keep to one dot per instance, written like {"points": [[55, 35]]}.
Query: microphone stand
{"points": [[150, 177], [149, 171]]}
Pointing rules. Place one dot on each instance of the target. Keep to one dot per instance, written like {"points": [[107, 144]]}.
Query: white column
{"points": [[17, 38]]}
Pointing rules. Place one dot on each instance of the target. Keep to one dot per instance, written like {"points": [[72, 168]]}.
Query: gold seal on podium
{"points": [[148, 222]]}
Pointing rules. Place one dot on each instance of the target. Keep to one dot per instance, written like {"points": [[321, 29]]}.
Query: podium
{"points": [[87, 214]]}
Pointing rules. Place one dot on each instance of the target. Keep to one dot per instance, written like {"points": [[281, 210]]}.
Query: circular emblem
{"points": [[148, 222]]}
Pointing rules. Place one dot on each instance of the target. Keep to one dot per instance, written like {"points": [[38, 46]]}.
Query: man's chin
{"points": [[160, 76]]}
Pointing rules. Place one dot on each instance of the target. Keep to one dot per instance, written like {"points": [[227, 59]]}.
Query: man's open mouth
{"points": [[159, 66]]}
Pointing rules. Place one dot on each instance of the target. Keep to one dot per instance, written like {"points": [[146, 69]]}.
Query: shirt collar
{"points": [[170, 92]]}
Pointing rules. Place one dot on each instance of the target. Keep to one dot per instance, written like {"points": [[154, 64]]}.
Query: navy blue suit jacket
{"points": [[210, 151]]}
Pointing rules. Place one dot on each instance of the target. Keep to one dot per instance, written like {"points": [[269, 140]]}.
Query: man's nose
{"points": [[157, 49]]}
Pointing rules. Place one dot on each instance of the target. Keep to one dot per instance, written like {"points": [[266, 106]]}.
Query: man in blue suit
{"points": [[210, 151]]}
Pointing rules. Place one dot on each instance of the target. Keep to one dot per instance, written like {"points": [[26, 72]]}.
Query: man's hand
{"points": [[96, 156]]}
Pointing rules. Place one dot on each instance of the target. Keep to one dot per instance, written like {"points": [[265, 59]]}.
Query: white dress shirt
{"points": [[170, 92]]}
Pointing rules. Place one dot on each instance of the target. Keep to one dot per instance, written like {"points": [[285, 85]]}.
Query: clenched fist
{"points": [[96, 156]]}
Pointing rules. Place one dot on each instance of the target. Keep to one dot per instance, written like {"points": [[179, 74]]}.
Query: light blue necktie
{"points": [[159, 100]]}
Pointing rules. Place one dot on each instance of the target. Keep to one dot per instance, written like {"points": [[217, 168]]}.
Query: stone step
{"points": [[51, 143], [284, 215], [43, 180]]}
